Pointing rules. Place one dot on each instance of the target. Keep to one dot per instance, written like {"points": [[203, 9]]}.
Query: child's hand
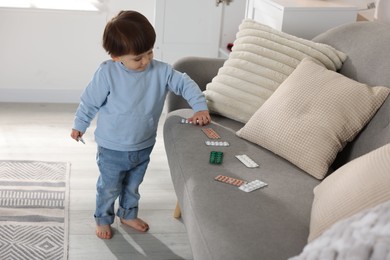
{"points": [[76, 135], [200, 118]]}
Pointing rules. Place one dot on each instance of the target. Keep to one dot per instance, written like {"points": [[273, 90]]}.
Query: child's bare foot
{"points": [[104, 232], [137, 224]]}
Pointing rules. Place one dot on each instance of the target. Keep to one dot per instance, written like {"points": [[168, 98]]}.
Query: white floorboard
{"points": [[42, 132]]}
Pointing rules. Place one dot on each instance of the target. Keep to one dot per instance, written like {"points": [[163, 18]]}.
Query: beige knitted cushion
{"points": [[261, 59], [361, 184], [312, 115]]}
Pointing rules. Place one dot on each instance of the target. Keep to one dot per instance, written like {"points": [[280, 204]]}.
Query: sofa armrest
{"points": [[201, 70]]}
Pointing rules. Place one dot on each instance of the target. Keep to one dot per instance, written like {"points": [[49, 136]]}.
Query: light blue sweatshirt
{"points": [[130, 103]]}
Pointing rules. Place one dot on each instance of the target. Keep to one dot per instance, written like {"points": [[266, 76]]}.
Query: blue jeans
{"points": [[121, 173]]}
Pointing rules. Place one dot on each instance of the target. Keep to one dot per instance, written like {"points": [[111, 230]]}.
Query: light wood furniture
{"points": [[177, 212]]}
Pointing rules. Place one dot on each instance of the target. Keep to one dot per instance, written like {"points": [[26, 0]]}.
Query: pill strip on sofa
{"points": [[186, 121], [247, 161], [217, 143], [253, 185], [210, 133], [230, 180], [216, 157]]}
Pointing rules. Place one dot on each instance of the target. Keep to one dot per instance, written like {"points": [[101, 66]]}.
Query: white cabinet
{"points": [[195, 28], [302, 18], [200, 28], [186, 28]]}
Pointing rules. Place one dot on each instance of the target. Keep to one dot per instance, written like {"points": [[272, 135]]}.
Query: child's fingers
{"points": [[76, 134], [200, 119]]}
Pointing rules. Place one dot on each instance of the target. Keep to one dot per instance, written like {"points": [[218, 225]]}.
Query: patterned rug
{"points": [[34, 203]]}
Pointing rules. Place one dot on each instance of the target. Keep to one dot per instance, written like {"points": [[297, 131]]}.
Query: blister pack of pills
{"points": [[217, 143], [216, 157], [210, 133], [185, 121], [247, 161], [230, 180], [253, 185]]}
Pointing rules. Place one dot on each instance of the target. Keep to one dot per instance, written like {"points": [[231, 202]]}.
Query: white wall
{"points": [[50, 56]]}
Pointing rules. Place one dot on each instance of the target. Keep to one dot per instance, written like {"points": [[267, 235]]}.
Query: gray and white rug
{"points": [[34, 206]]}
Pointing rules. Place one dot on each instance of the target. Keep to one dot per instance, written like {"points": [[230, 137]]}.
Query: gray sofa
{"points": [[225, 223]]}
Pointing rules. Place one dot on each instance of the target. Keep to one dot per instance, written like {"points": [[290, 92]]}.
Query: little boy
{"points": [[129, 93]]}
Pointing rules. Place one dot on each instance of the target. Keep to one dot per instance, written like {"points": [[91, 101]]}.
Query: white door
{"points": [[187, 28]]}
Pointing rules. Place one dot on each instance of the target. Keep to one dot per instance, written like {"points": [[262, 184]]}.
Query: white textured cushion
{"points": [[261, 59], [364, 236], [312, 115], [360, 184]]}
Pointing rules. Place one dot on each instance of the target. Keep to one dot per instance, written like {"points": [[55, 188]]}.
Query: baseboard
{"points": [[40, 95]]}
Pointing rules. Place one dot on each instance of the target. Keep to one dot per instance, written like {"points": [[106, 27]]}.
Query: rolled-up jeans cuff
{"points": [[127, 213], [103, 221]]}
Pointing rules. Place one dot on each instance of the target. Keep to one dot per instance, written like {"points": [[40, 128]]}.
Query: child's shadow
{"points": [[129, 244]]}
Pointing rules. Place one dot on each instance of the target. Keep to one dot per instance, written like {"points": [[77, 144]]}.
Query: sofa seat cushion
{"points": [[222, 221]]}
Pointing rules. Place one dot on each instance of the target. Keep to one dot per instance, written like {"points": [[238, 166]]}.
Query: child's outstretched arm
{"points": [[201, 118]]}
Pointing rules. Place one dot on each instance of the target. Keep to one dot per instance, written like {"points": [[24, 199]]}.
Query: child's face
{"points": [[135, 62]]}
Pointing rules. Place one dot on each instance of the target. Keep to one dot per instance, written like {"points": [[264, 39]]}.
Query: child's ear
{"points": [[115, 58]]}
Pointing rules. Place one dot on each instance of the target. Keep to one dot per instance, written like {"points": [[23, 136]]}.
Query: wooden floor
{"points": [[42, 132]]}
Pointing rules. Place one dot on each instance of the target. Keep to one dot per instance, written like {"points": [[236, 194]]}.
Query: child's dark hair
{"points": [[128, 33]]}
